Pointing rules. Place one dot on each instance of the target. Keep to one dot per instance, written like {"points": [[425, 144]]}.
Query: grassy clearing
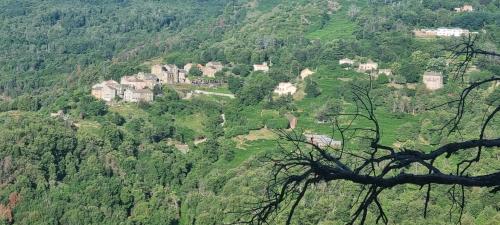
{"points": [[88, 128], [327, 78], [339, 27], [254, 135], [252, 114], [193, 122], [250, 150], [129, 111]]}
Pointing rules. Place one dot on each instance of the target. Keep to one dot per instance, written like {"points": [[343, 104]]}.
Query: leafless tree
{"points": [[301, 164]]}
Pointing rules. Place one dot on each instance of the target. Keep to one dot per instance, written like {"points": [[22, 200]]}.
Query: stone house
{"points": [[261, 67], [157, 70], [216, 65], [433, 80], [107, 90], [171, 74], [151, 79], [368, 66], [140, 81], [464, 8], [208, 71], [183, 76], [211, 68], [322, 141], [138, 95], [292, 121], [167, 74], [346, 61], [285, 88], [425, 33], [133, 82], [305, 73]]}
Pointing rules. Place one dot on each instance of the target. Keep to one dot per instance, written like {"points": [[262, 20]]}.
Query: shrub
{"points": [[277, 123], [235, 131]]}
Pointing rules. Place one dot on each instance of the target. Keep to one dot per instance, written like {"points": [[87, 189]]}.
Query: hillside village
{"points": [[431, 79], [190, 112], [140, 87]]}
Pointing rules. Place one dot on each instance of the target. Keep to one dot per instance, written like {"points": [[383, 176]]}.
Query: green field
{"points": [[339, 27], [251, 149], [327, 78], [193, 122]]}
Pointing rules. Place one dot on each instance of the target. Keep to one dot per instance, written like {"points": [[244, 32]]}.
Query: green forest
{"points": [[67, 157]]}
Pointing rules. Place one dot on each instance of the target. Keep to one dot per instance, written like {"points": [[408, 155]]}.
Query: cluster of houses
{"points": [[444, 31], [287, 88], [134, 88], [210, 69], [139, 87], [432, 80], [171, 74], [369, 67], [261, 67]]}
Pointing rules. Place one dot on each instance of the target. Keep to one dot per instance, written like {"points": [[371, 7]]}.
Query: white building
{"points": [[465, 8], [451, 32], [433, 80], [368, 66], [261, 67], [285, 88], [442, 32], [142, 95], [346, 61], [322, 141]]}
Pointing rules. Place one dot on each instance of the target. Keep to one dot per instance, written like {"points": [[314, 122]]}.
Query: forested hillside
{"points": [[67, 157]]}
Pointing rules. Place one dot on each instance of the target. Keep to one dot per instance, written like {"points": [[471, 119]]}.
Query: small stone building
{"points": [[261, 67], [211, 68], [140, 81], [322, 141], [464, 8], [141, 95], [433, 80], [368, 66], [285, 88], [107, 90]]}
